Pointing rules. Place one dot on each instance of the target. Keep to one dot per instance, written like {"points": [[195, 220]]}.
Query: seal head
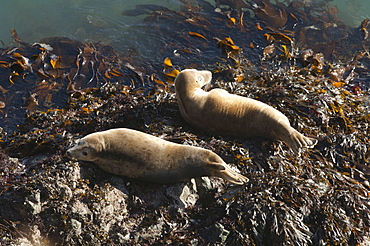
{"points": [[85, 150]]}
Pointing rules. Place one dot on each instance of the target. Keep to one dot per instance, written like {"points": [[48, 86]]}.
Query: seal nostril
{"points": [[68, 153]]}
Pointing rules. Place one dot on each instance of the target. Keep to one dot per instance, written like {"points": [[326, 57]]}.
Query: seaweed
{"points": [[299, 58]]}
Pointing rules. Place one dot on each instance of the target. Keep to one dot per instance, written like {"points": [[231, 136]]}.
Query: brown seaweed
{"points": [[299, 62]]}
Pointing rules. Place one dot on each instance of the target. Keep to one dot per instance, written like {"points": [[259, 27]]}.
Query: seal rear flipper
{"points": [[297, 141], [223, 171]]}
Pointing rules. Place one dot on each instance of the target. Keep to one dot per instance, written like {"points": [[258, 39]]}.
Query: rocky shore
{"points": [[59, 90]]}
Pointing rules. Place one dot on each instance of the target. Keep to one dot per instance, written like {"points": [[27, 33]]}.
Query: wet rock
{"points": [[120, 239], [33, 203], [319, 196], [184, 194], [151, 232], [203, 185], [81, 211], [35, 238], [113, 210], [76, 226], [65, 191], [215, 234]]}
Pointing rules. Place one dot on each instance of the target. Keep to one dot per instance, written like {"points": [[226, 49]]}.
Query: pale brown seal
{"points": [[144, 157], [226, 114]]}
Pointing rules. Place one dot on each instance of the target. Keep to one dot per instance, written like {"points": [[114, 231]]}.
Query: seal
{"points": [[144, 157], [220, 112]]}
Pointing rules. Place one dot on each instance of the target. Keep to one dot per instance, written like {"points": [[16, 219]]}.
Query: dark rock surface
{"points": [[318, 197]]}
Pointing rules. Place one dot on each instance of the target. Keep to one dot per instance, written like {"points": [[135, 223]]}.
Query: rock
{"points": [[215, 234], [120, 239], [184, 194], [76, 226], [114, 208], [65, 192], [35, 238], [154, 231], [33, 203], [203, 185], [81, 211]]}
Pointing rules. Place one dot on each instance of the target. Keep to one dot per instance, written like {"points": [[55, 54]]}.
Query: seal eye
{"points": [[84, 153]]}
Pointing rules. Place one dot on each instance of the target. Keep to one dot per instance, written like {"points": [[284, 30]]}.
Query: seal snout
{"points": [[70, 153]]}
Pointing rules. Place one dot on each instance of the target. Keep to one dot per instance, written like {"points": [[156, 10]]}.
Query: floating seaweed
{"points": [[39, 74]]}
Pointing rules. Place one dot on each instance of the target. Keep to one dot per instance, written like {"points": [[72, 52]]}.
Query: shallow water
{"points": [[95, 20], [352, 12], [84, 20]]}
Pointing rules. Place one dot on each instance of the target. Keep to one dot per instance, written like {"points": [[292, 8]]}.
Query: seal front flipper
{"points": [[223, 171]]}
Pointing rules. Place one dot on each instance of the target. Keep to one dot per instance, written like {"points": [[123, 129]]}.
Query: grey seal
{"points": [[141, 156], [220, 112]]}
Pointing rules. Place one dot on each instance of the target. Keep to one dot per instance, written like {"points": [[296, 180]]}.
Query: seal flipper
{"points": [[223, 171], [297, 141]]}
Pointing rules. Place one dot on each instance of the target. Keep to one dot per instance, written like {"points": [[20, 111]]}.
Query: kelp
{"points": [[296, 57], [43, 73]]}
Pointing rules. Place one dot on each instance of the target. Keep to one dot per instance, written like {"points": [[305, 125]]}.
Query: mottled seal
{"points": [[148, 158], [226, 114]]}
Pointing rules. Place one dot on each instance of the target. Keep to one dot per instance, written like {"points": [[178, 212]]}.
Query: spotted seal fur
{"points": [[220, 112], [141, 156]]}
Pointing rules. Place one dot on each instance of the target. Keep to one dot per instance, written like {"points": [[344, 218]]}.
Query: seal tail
{"points": [[225, 172], [297, 141]]}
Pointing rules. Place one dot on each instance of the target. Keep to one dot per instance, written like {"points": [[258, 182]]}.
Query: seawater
{"points": [[102, 21], [84, 20], [352, 12]]}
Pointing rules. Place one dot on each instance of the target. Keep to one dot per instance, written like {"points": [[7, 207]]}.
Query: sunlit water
{"points": [[84, 20], [353, 12], [102, 21]]}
